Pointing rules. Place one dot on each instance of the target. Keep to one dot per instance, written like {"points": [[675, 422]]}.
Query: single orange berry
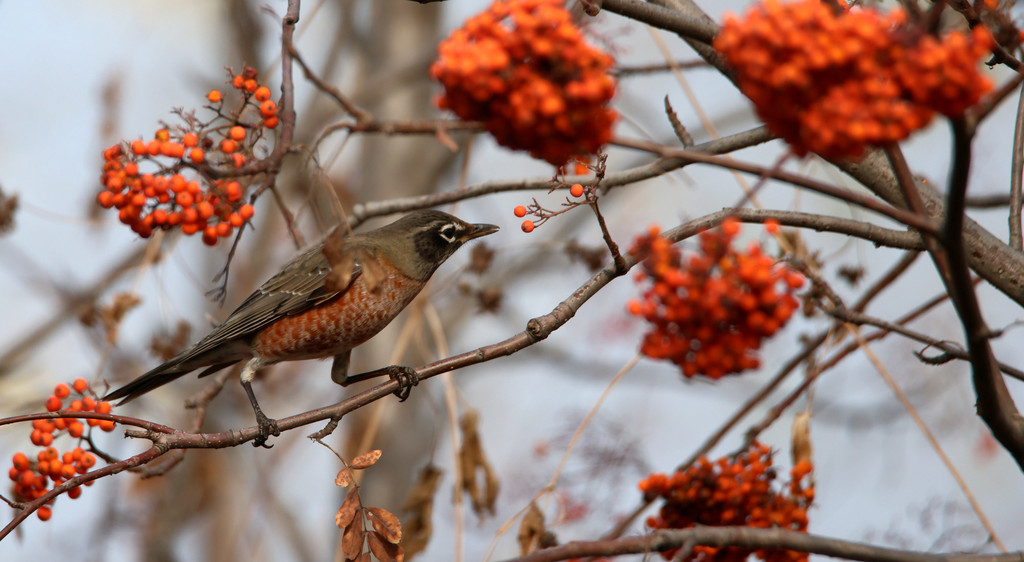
{"points": [[190, 140], [197, 155], [528, 226], [107, 425], [262, 93], [75, 406], [238, 160], [61, 391], [103, 407], [67, 471], [268, 108], [210, 235], [250, 85], [138, 147], [88, 403], [79, 385], [214, 96], [76, 429], [731, 226], [519, 211], [238, 81], [184, 199], [576, 190], [224, 229], [88, 460], [237, 132], [227, 146], [20, 461], [235, 220], [105, 199], [246, 211], [771, 226], [53, 404], [131, 169], [44, 513], [163, 135], [76, 492], [270, 122]]}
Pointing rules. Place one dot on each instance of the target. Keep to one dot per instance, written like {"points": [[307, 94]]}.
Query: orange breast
{"points": [[338, 325]]}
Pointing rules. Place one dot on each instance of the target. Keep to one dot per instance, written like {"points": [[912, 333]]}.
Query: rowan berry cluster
{"points": [[732, 491], [576, 191], [33, 478], [183, 177], [525, 70], [710, 312], [836, 83]]}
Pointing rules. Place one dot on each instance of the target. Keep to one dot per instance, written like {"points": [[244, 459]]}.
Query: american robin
{"points": [[307, 311]]}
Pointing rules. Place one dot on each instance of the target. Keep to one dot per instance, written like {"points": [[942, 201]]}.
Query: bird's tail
{"points": [[148, 381], [160, 376]]}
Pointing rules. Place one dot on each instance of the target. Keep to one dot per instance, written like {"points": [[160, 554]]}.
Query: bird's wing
{"points": [[299, 286]]}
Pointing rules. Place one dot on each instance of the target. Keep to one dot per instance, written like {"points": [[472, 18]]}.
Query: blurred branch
{"points": [[748, 537]]}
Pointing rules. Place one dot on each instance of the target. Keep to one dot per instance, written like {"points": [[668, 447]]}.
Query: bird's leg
{"points": [[405, 376], [267, 426]]}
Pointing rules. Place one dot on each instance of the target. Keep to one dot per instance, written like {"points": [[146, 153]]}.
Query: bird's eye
{"points": [[447, 232]]}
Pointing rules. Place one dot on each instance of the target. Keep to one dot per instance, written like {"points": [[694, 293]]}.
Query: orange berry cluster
{"points": [[201, 202], [525, 70], [31, 478], [710, 312], [576, 190], [836, 83], [732, 491]]}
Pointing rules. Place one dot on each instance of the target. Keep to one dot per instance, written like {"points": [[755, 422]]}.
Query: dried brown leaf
{"points": [[349, 508], [344, 477], [473, 459], [385, 523], [480, 258], [8, 205], [343, 264], [373, 271], [112, 315], [801, 438], [383, 550], [352, 540], [364, 557], [531, 529], [418, 527], [365, 460], [445, 139]]}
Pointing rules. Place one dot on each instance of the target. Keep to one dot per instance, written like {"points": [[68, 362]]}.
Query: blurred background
{"points": [[78, 77]]}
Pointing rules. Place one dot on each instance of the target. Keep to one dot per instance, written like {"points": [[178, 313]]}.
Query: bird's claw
{"points": [[406, 378], [268, 427]]}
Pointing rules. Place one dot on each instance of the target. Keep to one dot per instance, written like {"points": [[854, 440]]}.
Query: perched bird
{"points": [[313, 310]]}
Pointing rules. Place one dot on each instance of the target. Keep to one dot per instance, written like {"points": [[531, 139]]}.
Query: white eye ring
{"points": [[448, 232]]}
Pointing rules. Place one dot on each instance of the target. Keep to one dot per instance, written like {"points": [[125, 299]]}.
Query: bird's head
{"points": [[421, 241]]}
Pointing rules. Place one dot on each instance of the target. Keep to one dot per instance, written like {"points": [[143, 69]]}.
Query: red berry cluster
{"points": [[31, 478], [732, 491], [576, 190], [835, 83], [525, 70], [185, 187], [710, 312]]}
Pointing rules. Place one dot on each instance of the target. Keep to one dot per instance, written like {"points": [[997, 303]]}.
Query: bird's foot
{"points": [[268, 428], [406, 378]]}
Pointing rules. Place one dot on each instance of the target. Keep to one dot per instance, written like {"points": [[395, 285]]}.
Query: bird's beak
{"points": [[479, 230]]}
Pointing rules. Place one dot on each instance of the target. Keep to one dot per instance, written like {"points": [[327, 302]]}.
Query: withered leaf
{"points": [[420, 503], [344, 477], [365, 460], [531, 529], [472, 459], [385, 523], [343, 266], [801, 438], [444, 138], [352, 540], [384, 551], [349, 508], [373, 271]]}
